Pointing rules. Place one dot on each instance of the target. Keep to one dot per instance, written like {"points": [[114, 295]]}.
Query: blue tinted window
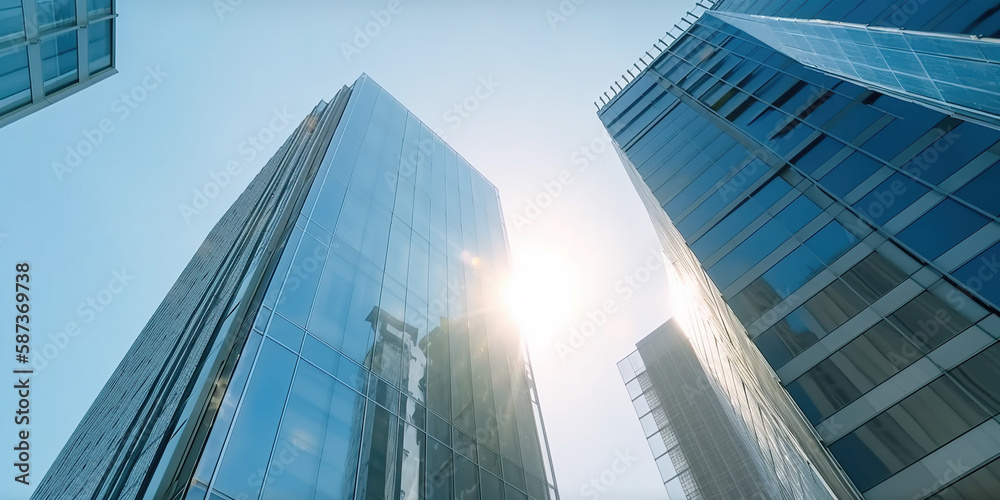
{"points": [[821, 114], [257, 423], [982, 191], [99, 46], [890, 198], [817, 153], [793, 271], [951, 152], [941, 228], [15, 86], [848, 125], [303, 277], [913, 122], [831, 242], [725, 194], [285, 332], [850, 173], [906, 432], [982, 274], [739, 218], [763, 241]]}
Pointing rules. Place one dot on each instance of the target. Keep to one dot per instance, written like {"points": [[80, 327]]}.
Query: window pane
{"points": [[740, 217], [981, 191], [53, 13], [253, 433], [98, 7], [303, 277], [890, 198], [941, 228], [59, 61], [983, 483], [907, 432], [820, 315], [982, 274], [859, 366], [15, 86], [873, 277], [951, 152], [99, 50], [11, 18], [850, 173], [979, 376], [817, 153], [762, 242], [928, 321]]}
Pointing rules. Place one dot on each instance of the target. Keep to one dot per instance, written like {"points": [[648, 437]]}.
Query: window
{"points": [[941, 228], [99, 51], [740, 217], [928, 321], [890, 198], [819, 316], [981, 191], [98, 7], [856, 368], [817, 153], [951, 152], [792, 272], [762, 242], [15, 85], [982, 274], [916, 426], [53, 13], [249, 444], [873, 277], [851, 172], [59, 61]]}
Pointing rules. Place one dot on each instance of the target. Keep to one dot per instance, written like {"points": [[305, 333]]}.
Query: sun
{"points": [[541, 293]]}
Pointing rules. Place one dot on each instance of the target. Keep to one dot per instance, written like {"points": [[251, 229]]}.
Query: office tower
{"points": [[823, 177], [340, 334], [702, 449], [50, 49]]}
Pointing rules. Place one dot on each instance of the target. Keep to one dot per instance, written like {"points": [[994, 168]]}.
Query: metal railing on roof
{"points": [[660, 46]]}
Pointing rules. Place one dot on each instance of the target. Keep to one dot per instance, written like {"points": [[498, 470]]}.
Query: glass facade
{"points": [[702, 448], [50, 49], [367, 351], [841, 226]]}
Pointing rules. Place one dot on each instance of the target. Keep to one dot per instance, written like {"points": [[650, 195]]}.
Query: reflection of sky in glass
{"points": [[956, 72]]}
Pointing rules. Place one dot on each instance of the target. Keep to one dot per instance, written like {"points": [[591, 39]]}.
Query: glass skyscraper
{"points": [[50, 49], [340, 334], [701, 446], [823, 176]]}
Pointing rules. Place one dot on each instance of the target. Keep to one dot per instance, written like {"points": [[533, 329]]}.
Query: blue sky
{"points": [[208, 85]]}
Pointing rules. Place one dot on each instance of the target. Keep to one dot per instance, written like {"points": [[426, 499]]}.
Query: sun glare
{"points": [[541, 293]]}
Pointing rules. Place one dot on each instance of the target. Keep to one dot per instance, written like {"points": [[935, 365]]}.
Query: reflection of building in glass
{"points": [[703, 449], [340, 334], [50, 49], [830, 228]]}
